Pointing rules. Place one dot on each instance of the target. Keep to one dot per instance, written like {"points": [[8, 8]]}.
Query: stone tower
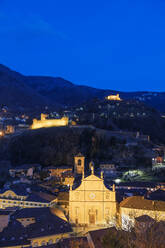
{"points": [[79, 163]]}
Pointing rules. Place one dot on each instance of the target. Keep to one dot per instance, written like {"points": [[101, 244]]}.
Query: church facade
{"points": [[92, 203]]}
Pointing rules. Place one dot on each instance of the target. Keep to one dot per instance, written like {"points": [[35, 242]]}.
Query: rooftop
{"points": [[46, 224], [138, 202]]}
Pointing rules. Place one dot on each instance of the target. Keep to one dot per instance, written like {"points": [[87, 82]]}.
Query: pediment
{"points": [[92, 178]]}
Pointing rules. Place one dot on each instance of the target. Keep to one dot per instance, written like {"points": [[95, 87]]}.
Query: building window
{"points": [[107, 196], [50, 241], [107, 211], [43, 242], [76, 211], [35, 244]]}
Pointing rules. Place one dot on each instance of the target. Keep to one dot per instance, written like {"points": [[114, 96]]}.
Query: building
{"points": [[135, 206], [24, 170], [79, 164], [91, 203], [64, 121], [58, 171], [9, 129], [10, 198], [108, 168], [95, 238], [4, 219], [67, 178], [113, 97], [34, 228]]}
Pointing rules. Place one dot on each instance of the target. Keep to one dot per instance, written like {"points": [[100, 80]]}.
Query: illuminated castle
{"points": [[49, 122], [114, 97]]}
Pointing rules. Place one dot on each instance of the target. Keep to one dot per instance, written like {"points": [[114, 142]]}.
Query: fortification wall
{"points": [[49, 123]]}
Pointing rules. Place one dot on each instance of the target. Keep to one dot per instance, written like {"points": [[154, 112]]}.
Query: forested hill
{"points": [[58, 145]]}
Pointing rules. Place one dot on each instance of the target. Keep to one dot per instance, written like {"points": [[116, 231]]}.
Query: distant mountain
{"points": [[64, 92], [25, 92], [16, 93]]}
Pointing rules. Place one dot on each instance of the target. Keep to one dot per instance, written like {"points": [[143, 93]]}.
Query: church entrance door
{"points": [[92, 219]]}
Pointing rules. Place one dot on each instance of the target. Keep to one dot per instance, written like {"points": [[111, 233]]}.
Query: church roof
{"points": [[138, 202]]}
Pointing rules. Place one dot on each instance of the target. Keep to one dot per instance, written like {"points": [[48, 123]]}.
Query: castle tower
{"points": [[79, 162], [43, 117]]}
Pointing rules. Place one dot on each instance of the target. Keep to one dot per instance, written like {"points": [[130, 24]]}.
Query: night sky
{"points": [[115, 44]]}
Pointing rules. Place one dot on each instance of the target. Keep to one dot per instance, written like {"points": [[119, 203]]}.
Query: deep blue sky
{"points": [[115, 44]]}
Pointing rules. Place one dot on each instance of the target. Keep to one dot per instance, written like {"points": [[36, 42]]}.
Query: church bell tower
{"points": [[79, 164]]}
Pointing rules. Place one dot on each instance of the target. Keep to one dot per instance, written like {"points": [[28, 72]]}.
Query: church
{"points": [[92, 203]]}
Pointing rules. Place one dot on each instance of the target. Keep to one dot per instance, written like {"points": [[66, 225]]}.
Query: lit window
{"points": [[50, 241], [43, 242]]}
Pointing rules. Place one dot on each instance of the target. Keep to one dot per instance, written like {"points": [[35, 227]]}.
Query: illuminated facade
{"points": [[92, 203], [10, 199], [114, 97], [49, 122], [136, 206]]}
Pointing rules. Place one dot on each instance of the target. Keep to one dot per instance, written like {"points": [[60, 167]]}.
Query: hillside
{"points": [[28, 92], [58, 145], [128, 115]]}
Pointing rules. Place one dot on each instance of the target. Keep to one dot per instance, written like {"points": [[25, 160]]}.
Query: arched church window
{"points": [[79, 162]]}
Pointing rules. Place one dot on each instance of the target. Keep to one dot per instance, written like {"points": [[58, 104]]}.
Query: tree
{"points": [[113, 239]]}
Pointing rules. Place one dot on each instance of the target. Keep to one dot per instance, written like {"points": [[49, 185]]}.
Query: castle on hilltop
{"points": [[113, 97], [64, 121]]}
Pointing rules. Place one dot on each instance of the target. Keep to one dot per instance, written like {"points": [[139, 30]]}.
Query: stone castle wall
{"points": [[49, 122]]}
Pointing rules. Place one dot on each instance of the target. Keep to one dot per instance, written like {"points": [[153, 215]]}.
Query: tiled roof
{"points": [[5, 212], [18, 189], [30, 212], [14, 233], [36, 198], [98, 235], [46, 224], [63, 196], [138, 202]]}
